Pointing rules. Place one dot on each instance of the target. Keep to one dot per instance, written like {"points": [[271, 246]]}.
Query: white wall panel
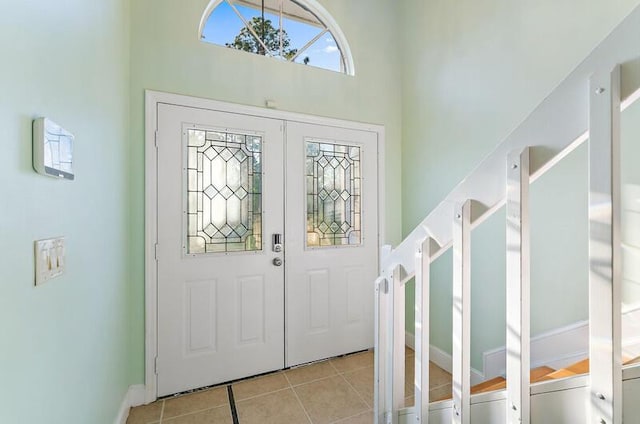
{"points": [[631, 406], [561, 407]]}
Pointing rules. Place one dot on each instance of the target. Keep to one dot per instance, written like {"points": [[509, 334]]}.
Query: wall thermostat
{"points": [[52, 149]]}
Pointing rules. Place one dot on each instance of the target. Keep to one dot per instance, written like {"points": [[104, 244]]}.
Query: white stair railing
{"points": [[586, 106]]}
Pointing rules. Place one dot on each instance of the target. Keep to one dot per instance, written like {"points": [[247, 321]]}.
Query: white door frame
{"points": [[152, 99]]}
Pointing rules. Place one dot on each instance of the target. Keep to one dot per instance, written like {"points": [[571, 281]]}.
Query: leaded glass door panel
{"points": [[332, 240], [220, 198]]}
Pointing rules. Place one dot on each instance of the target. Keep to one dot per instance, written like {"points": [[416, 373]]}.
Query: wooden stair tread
{"points": [[480, 387], [497, 386], [500, 383], [540, 372], [632, 361], [581, 367], [441, 398]]}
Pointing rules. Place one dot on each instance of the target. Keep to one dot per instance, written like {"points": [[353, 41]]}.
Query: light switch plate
{"points": [[49, 259]]}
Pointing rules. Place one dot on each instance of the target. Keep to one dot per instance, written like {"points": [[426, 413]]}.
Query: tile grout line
{"points": [[263, 394], [351, 416], [232, 405], [298, 398], [291, 385], [357, 392], [199, 411], [312, 381], [353, 388], [161, 413]]}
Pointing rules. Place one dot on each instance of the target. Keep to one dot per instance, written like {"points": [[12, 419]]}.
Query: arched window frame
{"points": [[320, 13]]}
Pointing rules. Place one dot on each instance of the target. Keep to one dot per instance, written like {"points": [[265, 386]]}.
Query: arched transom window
{"points": [[299, 31]]}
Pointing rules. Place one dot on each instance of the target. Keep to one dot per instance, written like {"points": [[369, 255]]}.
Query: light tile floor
{"points": [[336, 391]]}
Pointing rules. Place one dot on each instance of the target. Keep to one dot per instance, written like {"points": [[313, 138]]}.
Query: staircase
{"points": [[585, 108]]}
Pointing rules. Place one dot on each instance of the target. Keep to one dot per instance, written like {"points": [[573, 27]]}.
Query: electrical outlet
{"points": [[49, 259]]}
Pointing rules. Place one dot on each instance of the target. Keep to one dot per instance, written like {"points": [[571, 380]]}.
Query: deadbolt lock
{"points": [[277, 243]]}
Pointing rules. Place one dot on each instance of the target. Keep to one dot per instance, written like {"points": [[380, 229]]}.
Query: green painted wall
{"points": [[168, 56], [65, 345], [471, 72]]}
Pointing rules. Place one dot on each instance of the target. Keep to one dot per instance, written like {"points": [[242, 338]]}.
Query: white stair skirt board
{"points": [[135, 396], [443, 359]]}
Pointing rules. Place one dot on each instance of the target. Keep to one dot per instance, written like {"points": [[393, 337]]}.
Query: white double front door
{"points": [[267, 244]]}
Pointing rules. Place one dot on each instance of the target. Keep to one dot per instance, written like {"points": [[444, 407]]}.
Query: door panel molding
{"points": [[152, 251]]}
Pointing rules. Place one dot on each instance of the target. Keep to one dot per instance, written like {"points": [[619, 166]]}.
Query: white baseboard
{"points": [[410, 340], [135, 396], [442, 359]]}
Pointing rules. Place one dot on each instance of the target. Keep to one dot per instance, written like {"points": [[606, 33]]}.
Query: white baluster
{"points": [[397, 291], [424, 251], [380, 348], [462, 313], [604, 249], [518, 288]]}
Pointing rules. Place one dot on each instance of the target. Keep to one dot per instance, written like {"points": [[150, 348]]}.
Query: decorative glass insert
{"points": [[333, 194], [288, 30], [224, 192]]}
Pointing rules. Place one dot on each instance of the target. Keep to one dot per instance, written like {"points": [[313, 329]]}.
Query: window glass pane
{"points": [[222, 22], [300, 26], [333, 194], [285, 29], [224, 192], [324, 53]]}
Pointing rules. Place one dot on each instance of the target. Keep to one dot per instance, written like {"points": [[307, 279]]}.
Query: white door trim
{"points": [[152, 99]]}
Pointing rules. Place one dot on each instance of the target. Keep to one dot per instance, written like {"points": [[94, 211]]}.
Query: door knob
{"points": [[277, 262]]}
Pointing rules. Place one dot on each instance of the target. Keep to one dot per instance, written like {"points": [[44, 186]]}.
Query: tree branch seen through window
{"points": [[270, 37]]}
